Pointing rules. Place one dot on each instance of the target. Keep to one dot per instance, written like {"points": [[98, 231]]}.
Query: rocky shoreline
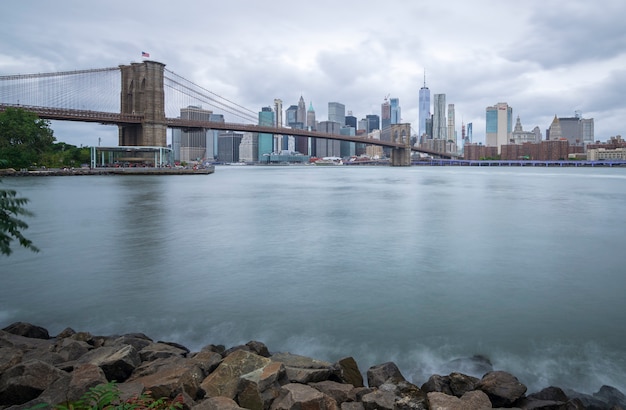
{"points": [[37, 369]]}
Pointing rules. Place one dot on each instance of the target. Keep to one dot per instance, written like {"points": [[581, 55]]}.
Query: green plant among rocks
{"points": [[107, 397]]}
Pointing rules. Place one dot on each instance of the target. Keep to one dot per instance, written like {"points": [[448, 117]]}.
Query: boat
{"points": [[329, 161]]}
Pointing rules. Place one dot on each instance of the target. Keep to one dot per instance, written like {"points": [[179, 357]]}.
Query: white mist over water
{"points": [[418, 266]]}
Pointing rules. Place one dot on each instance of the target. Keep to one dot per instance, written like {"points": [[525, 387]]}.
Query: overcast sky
{"points": [[542, 57]]}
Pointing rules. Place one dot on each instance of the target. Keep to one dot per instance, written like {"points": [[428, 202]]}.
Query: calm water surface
{"points": [[413, 265]]}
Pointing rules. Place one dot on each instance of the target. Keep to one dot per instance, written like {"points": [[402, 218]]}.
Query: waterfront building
{"points": [[424, 109], [576, 129], [347, 148], [396, 116], [499, 125], [519, 136], [228, 146], [603, 154], [439, 117], [191, 145], [323, 147], [266, 141], [554, 132], [249, 147], [212, 135]]}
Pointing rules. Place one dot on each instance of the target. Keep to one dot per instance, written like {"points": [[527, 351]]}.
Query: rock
{"points": [[295, 396], [586, 400], [257, 389], [379, 374], [83, 378], [408, 396], [348, 372], [611, 396], [341, 392], [160, 350], [26, 381], [171, 380], [116, 363], [136, 340], [470, 400], [27, 330], [258, 348], [502, 388], [302, 369], [461, 383], [353, 405], [177, 346], [379, 399], [9, 357], [439, 384], [550, 393], [218, 403], [225, 379], [207, 360], [70, 349]]}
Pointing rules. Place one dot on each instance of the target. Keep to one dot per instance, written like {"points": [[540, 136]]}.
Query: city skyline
{"points": [[542, 59]]}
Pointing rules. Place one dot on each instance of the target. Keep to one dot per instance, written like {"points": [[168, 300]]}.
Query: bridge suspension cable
{"points": [[198, 94], [95, 89]]}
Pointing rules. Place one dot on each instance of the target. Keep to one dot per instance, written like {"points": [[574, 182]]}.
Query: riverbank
{"points": [[36, 368], [107, 171]]}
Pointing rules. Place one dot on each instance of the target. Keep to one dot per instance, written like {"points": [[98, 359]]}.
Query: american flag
{"points": [[144, 54]]}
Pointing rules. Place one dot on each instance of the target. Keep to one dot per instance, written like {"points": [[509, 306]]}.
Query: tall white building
{"points": [[499, 125], [424, 108]]}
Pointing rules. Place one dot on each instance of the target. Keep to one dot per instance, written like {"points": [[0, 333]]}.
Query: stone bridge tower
{"points": [[401, 133], [143, 94]]}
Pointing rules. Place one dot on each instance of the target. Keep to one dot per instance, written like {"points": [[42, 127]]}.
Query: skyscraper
{"points": [[266, 141], [310, 117], [192, 145], [301, 113], [439, 117], [385, 114], [499, 125], [452, 127], [337, 113], [396, 117], [424, 107]]}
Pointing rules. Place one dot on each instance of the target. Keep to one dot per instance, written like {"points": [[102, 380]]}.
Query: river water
{"points": [[418, 265]]}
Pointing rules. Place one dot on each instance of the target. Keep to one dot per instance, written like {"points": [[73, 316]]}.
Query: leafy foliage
{"points": [[11, 207], [107, 397], [24, 137]]}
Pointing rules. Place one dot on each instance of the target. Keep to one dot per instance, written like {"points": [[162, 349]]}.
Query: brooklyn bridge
{"points": [[144, 99]]}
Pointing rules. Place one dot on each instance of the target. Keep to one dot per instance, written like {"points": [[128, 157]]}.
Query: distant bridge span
{"points": [[108, 118]]}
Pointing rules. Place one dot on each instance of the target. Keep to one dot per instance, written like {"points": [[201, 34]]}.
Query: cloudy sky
{"points": [[542, 57]]}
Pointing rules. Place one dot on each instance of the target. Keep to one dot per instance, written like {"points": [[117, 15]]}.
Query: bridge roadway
{"points": [[109, 118]]}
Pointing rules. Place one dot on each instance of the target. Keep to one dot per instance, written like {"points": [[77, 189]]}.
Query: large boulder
{"points": [[223, 381], [611, 396], [259, 388], [347, 371], [437, 383], [462, 383], [116, 363], [27, 380], [302, 369], [27, 330], [154, 351], [502, 388], [295, 396], [341, 392], [217, 403], [170, 381], [382, 373], [398, 395], [470, 400], [9, 357]]}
